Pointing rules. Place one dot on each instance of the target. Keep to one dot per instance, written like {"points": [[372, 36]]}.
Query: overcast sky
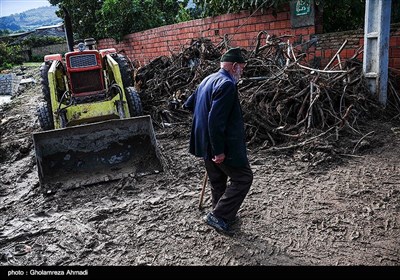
{"points": [[8, 7]]}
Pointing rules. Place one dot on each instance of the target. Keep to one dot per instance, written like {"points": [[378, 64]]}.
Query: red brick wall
{"points": [[328, 44], [394, 47], [242, 28]]}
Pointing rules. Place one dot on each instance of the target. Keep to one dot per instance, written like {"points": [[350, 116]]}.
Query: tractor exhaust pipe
{"points": [[68, 30]]}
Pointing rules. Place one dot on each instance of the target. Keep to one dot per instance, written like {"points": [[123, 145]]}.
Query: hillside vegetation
{"points": [[30, 20]]}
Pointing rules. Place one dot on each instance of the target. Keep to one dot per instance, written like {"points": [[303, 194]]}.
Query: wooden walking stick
{"points": [[203, 189]]}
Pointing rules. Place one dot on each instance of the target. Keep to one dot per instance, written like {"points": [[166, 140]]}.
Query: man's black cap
{"points": [[233, 55]]}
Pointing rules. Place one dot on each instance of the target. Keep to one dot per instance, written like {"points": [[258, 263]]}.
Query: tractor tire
{"points": [[45, 117], [134, 102], [125, 69], [44, 80]]}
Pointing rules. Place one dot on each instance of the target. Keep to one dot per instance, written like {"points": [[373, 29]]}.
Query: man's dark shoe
{"points": [[233, 221], [218, 223]]}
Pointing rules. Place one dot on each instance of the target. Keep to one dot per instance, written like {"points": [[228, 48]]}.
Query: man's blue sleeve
{"points": [[223, 100]]}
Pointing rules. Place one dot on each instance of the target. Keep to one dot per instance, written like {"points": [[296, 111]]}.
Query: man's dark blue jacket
{"points": [[218, 125]]}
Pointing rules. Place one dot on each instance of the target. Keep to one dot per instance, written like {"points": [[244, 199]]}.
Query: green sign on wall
{"points": [[302, 13], [303, 7]]}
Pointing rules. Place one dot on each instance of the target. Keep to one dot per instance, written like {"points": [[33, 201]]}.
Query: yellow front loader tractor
{"points": [[93, 125]]}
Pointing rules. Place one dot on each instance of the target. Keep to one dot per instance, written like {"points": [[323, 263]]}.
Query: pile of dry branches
{"points": [[283, 99], [166, 82]]}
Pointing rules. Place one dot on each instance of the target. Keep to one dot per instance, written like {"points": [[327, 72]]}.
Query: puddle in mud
{"points": [[5, 99]]}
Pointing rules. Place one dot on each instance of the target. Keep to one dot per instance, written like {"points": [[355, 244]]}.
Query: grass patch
{"points": [[32, 64]]}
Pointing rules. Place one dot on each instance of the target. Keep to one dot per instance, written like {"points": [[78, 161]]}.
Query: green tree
{"points": [[395, 11], [10, 55], [4, 32], [40, 41], [121, 17], [187, 13], [84, 15], [341, 15], [338, 15], [219, 7], [116, 18]]}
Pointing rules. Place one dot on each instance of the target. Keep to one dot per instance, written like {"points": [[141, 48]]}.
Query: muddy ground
{"points": [[298, 212]]}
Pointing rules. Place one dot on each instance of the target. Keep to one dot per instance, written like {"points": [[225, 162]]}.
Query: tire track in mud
{"points": [[346, 215]]}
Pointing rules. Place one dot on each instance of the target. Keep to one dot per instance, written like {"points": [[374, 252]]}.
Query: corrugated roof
{"points": [[50, 26]]}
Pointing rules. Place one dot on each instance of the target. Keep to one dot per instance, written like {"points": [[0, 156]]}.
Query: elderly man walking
{"points": [[218, 136]]}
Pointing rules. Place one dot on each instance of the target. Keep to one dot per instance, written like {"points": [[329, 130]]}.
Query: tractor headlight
{"points": [[81, 47]]}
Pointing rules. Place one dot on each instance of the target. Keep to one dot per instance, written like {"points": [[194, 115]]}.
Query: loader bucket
{"points": [[87, 154]]}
